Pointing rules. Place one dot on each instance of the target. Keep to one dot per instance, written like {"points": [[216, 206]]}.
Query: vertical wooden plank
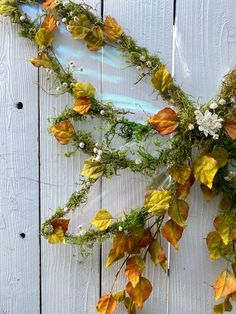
{"points": [[19, 198], [150, 22], [69, 285], [205, 51]]}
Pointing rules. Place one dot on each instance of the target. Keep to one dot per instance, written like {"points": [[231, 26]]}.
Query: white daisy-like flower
{"points": [[98, 158], [102, 112], [120, 228], [149, 64], [138, 161], [209, 123], [190, 126], [142, 58], [82, 232], [99, 152], [222, 101], [213, 105], [138, 68], [64, 20], [81, 144]]}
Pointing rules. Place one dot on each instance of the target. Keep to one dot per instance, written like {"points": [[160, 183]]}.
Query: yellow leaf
{"points": [[83, 89], [95, 38], [42, 60], [123, 243], [158, 202], [172, 232], [204, 169], [225, 284], [106, 304], [216, 246], [134, 268], [80, 28], [7, 7], [57, 236], [225, 226], [119, 296], [178, 211], [220, 155], [161, 79], [165, 121], [50, 23], [63, 132], [112, 29], [223, 307], [158, 255], [43, 37], [113, 257], [92, 169], [141, 292], [82, 105], [209, 194], [180, 173], [102, 219]]}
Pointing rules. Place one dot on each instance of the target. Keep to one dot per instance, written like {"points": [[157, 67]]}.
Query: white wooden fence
{"points": [[35, 177]]}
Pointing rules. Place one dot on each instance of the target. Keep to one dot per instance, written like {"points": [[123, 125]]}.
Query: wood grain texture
{"points": [[19, 198], [69, 284], [205, 51], [150, 23]]}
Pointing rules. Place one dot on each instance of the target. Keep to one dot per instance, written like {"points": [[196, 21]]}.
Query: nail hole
{"points": [[19, 105], [22, 235]]}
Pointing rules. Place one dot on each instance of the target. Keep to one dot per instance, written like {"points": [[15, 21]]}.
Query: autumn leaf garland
{"points": [[210, 128]]}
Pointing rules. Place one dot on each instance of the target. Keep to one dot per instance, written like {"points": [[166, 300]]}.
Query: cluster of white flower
{"points": [[98, 153], [82, 231], [230, 176], [209, 123]]}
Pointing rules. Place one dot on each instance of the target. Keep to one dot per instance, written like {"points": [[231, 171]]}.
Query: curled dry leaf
{"points": [[161, 79], [230, 127], [102, 219], [63, 132], [205, 169], [82, 105], [50, 23], [134, 268], [172, 233], [82, 89], [106, 304], [92, 169], [112, 29], [95, 38], [165, 121], [158, 202], [225, 284], [180, 173], [43, 37], [223, 307], [141, 292]]}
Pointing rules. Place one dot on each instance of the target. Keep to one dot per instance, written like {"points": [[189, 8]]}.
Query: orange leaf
{"points": [[50, 23], [82, 105], [230, 127], [184, 189], [112, 29], [49, 4], [145, 239], [165, 121], [122, 243], [172, 232], [134, 268], [63, 131], [141, 292], [106, 304], [225, 284], [63, 223], [42, 60], [113, 257], [158, 255]]}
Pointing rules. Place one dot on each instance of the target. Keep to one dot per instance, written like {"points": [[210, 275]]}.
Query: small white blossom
{"points": [[66, 3], [95, 150], [71, 85], [58, 88], [80, 226], [123, 218], [230, 176], [97, 145], [64, 20], [149, 64], [65, 84], [227, 178], [216, 136], [120, 228], [81, 144], [72, 64], [22, 18], [138, 161], [99, 152], [82, 232], [65, 210], [98, 158], [209, 123], [81, 69], [76, 19], [233, 100], [71, 13], [138, 68], [213, 105], [222, 102], [69, 28], [102, 112], [142, 58], [190, 126], [118, 119]]}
